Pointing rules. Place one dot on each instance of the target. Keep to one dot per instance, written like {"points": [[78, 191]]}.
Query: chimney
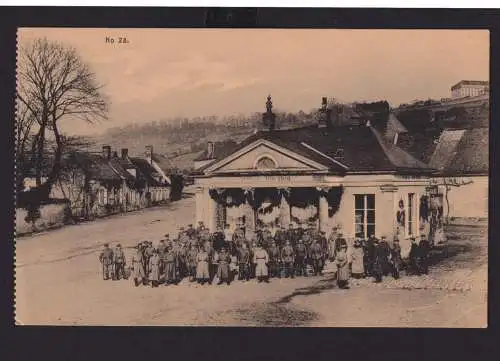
{"points": [[124, 153], [106, 151], [210, 150], [149, 153], [326, 118]]}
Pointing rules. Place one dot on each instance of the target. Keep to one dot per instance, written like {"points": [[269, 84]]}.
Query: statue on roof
{"points": [[269, 118], [269, 104]]}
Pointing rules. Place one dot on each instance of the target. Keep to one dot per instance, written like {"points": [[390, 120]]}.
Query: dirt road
{"points": [[58, 281]]}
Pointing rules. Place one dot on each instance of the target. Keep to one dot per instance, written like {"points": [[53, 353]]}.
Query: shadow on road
{"points": [[320, 286]]}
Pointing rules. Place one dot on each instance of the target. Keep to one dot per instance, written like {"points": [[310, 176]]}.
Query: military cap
{"points": [[118, 245], [106, 244]]}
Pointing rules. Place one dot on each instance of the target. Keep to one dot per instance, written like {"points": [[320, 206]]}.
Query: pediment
{"points": [[264, 156]]}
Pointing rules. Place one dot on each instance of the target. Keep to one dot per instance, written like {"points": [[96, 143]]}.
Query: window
{"points": [[265, 163], [364, 215], [411, 214]]}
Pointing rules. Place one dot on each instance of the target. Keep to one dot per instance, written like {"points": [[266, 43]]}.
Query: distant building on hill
{"points": [[469, 88]]}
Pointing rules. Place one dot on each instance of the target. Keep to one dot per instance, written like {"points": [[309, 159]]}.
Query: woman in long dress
{"points": [[358, 267], [154, 267], [342, 262], [202, 266], [138, 267], [261, 259]]}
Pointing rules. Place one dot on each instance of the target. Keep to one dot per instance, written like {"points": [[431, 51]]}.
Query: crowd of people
{"points": [[223, 256]]}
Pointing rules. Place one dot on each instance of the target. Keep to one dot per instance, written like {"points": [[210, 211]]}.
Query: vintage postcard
{"points": [[252, 177]]}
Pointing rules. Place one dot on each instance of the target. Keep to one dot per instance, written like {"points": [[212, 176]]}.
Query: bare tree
{"points": [[54, 84]]}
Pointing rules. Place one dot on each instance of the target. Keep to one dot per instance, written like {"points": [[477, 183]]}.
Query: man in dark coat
{"points": [[106, 259], [370, 253], [385, 253], [300, 258], [219, 239], [424, 248], [274, 260], [414, 253], [288, 258], [378, 254]]}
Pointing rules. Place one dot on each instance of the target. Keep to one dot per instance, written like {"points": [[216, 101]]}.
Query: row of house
{"points": [[98, 184]]}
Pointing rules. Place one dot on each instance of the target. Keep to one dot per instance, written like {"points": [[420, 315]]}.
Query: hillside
{"points": [[182, 140]]}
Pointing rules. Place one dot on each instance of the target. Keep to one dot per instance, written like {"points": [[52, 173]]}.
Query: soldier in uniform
{"points": [[154, 266], [244, 263], [274, 260], [170, 264], [316, 255], [106, 259], [267, 238], [424, 248], [280, 236], [223, 273], [148, 253], [261, 259], [202, 266], [119, 262], [300, 258], [288, 258], [192, 262], [200, 227], [290, 234], [323, 242], [182, 260], [138, 266], [191, 232], [162, 247], [396, 258]]}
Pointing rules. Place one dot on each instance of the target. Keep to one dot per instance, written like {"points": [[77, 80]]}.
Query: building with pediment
{"points": [[322, 175]]}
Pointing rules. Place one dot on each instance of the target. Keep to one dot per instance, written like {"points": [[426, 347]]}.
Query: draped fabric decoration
{"points": [[304, 216], [303, 197], [424, 208], [334, 197]]}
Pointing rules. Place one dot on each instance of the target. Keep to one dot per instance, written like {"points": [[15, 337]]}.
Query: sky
{"points": [[165, 73]]}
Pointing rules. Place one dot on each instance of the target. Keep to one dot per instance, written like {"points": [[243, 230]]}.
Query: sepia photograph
{"points": [[252, 177]]}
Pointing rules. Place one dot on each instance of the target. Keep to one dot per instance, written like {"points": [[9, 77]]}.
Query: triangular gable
{"points": [[264, 155]]}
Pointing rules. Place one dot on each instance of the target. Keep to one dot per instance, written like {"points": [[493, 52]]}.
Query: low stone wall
{"points": [[51, 216]]}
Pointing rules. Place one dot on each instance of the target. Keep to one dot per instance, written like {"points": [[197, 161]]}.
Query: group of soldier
{"points": [[223, 256]]}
